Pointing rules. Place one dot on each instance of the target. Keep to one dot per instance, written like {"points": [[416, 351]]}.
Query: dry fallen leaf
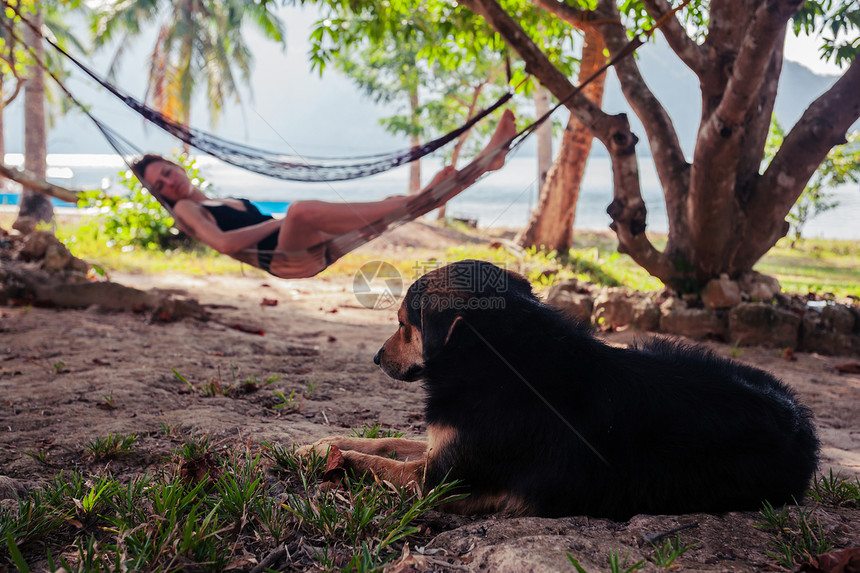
{"points": [[845, 561], [848, 368]]}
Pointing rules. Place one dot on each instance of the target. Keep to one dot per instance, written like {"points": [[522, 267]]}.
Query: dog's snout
{"points": [[376, 357]]}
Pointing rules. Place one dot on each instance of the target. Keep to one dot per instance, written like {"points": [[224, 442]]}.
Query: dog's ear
{"points": [[437, 328]]}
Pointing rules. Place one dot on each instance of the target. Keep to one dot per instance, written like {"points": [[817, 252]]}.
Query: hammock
{"points": [[315, 259]]}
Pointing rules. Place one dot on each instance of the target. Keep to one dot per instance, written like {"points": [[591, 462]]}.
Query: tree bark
{"points": [[543, 136], [551, 223], [415, 166], [35, 205]]}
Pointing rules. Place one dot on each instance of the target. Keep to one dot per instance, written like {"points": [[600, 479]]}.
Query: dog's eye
{"points": [[401, 324]]}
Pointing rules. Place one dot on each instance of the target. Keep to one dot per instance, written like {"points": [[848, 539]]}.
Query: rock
{"points": [[577, 305], [35, 245], [721, 293], [613, 307], [567, 285], [25, 225], [646, 315], [617, 307], [11, 488], [760, 324], [759, 287], [829, 331], [839, 318], [696, 323], [57, 257]]}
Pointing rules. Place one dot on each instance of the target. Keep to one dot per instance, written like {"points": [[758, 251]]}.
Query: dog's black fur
{"points": [[545, 413]]}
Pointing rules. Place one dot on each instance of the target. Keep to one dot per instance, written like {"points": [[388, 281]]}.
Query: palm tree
{"points": [[198, 41], [47, 15]]}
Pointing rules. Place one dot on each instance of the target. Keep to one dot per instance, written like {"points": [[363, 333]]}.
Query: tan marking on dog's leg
{"points": [[403, 449], [505, 503], [439, 437], [399, 473]]}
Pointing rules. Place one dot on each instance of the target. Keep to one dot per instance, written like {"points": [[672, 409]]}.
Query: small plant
{"points": [[375, 431], [616, 565], [288, 403], [40, 455], [59, 367], [112, 446], [667, 552], [107, 402], [736, 351], [194, 448], [310, 388], [835, 490], [796, 536]]}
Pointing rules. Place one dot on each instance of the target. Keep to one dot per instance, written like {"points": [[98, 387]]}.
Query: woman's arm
{"points": [[193, 217]]}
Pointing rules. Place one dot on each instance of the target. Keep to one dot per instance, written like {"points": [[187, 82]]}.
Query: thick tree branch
{"points": [[570, 14], [627, 209], [684, 47], [38, 185], [748, 70], [822, 126], [672, 167]]}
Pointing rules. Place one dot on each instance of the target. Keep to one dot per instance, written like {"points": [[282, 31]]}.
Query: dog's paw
{"points": [[319, 448]]}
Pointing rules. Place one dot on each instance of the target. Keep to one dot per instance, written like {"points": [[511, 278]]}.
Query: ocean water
{"points": [[501, 199]]}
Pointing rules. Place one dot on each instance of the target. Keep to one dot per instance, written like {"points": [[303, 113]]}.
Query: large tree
{"points": [[724, 212], [198, 42]]}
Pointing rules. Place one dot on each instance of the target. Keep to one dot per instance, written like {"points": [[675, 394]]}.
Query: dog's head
{"points": [[434, 310]]}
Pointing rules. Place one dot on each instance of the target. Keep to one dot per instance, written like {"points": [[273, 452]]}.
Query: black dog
{"points": [[537, 417]]}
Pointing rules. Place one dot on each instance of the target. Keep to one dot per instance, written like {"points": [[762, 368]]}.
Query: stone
{"points": [[839, 318], [613, 308], [696, 323], [578, 305], [721, 293], [759, 287], [35, 244], [567, 285], [25, 225], [646, 315], [760, 324], [57, 257]]}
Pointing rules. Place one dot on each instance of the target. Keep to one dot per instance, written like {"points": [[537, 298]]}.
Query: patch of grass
{"points": [[113, 446], [375, 431], [796, 534], [172, 521], [815, 265], [835, 490], [667, 552], [287, 402]]}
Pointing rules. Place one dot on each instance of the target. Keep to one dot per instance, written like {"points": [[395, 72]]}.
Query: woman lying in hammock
{"points": [[296, 245]]}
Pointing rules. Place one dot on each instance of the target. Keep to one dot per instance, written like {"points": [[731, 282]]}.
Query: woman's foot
{"points": [[444, 173], [505, 130]]}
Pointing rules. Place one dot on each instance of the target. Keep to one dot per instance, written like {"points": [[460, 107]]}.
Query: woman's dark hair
{"points": [[139, 168]]}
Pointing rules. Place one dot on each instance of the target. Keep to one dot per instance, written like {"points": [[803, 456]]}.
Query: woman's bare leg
{"points": [[309, 223]]}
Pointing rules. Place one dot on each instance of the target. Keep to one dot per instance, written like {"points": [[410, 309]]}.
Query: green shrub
{"points": [[136, 218]]}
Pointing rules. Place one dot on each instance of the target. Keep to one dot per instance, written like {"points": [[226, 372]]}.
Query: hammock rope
{"points": [[265, 162]]}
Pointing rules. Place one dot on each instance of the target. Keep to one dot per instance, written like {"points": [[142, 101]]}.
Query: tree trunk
{"points": [[415, 166], [543, 135], [4, 183], [35, 205], [723, 214], [551, 224]]}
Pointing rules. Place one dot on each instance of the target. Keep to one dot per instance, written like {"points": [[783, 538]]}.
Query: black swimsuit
{"points": [[230, 218]]}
